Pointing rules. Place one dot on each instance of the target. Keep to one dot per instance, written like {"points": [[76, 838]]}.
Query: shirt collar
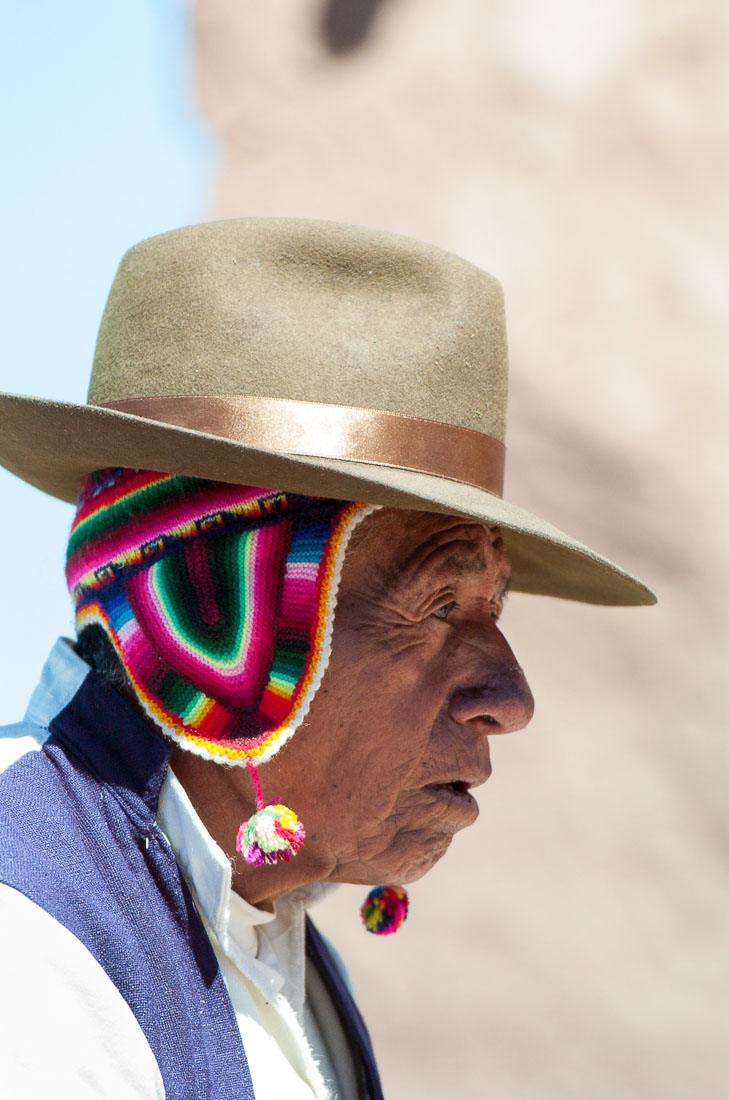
{"points": [[63, 674], [205, 866], [267, 947]]}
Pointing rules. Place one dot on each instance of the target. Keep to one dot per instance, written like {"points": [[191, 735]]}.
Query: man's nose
{"points": [[494, 695]]}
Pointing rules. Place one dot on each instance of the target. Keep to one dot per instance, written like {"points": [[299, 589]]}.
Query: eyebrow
{"points": [[383, 577], [470, 566], [466, 564]]}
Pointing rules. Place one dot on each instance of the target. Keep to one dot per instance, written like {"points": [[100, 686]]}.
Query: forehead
{"points": [[392, 542]]}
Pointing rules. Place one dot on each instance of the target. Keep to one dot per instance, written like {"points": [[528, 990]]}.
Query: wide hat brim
{"points": [[54, 445]]}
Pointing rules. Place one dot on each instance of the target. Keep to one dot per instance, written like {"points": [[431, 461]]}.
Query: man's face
{"points": [[419, 677]]}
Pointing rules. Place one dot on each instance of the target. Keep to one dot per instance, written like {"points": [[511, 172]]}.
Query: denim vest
{"points": [[78, 836]]}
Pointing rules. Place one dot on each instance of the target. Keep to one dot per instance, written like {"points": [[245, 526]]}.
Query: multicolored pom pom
{"points": [[273, 833], [384, 909]]}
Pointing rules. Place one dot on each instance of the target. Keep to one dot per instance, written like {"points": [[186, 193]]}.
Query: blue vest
{"points": [[78, 836]]}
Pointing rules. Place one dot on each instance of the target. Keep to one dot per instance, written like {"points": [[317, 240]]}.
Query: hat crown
{"points": [[253, 352], [308, 311]]}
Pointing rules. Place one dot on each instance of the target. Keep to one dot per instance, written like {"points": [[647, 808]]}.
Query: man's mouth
{"points": [[456, 790]]}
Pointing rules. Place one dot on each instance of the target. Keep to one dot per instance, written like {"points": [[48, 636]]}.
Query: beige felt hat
{"points": [[314, 357]]}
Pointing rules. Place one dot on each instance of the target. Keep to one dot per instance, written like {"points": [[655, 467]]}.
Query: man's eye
{"points": [[444, 610]]}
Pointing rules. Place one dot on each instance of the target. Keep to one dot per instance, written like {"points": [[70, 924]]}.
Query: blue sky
{"points": [[101, 148]]}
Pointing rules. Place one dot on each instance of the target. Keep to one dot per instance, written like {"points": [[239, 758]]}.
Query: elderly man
{"points": [[288, 563]]}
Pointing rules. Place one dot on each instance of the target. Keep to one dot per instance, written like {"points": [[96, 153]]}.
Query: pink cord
{"points": [[260, 804]]}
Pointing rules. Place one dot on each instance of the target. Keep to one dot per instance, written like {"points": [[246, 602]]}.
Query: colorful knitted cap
{"points": [[218, 599]]}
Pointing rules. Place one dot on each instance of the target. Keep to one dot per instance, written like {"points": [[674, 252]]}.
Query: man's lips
{"points": [[457, 790], [462, 784], [459, 786]]}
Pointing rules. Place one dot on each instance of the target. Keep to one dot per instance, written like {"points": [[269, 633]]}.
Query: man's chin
{"points": [[416, 863]]}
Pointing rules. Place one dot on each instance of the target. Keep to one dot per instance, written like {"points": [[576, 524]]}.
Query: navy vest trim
{"points": [[354, 1025]]}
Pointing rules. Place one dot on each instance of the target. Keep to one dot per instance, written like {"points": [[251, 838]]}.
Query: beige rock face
{"points": [[574, 943]]}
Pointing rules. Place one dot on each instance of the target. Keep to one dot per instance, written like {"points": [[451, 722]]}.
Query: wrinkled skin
{"points": [[419, 677]]}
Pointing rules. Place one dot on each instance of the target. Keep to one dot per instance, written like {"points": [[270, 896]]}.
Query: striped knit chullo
{"points": [[218, 599]]}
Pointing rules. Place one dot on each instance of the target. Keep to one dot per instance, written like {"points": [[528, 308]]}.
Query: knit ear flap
{"points": [[218, 600]]}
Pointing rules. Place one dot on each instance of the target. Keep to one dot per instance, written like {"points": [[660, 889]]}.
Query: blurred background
{"points": [[574, 943]]}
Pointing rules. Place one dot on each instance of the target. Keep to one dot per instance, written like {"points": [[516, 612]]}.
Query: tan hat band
{"points": [[334, 431]]}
